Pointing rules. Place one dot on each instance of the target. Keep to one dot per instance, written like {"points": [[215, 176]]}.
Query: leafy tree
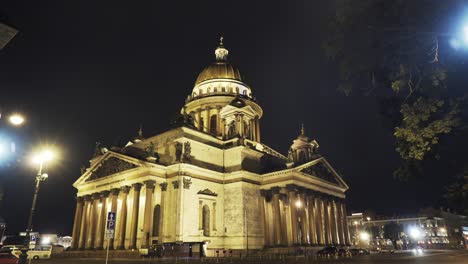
{"points": [[457, 194], [397, 51], [392, 232]]}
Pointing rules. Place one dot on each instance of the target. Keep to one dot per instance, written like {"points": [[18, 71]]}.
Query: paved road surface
{"points": [[434, 257]]}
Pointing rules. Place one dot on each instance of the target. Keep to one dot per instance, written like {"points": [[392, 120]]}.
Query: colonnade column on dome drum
{"points": [[315, 218]]}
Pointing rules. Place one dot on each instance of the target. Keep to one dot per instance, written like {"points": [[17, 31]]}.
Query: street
{"points": [[435, 257]]}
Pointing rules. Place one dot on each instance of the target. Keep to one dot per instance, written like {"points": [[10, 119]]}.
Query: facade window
{"points": [[156, 220], [206, 220], [223, 89]]}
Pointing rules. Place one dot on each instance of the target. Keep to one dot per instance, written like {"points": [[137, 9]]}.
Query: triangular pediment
{"points": [[106, 165], [111, 165], [322, 170], [229, 109]]}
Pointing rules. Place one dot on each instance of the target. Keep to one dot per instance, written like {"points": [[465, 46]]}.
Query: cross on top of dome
{"points": [[220, 52]]}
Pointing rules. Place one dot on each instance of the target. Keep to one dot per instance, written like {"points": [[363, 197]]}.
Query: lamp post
{"points": [[40, 159]]}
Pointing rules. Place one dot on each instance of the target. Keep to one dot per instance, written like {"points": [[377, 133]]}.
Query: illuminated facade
{"points": [[211, 183]]}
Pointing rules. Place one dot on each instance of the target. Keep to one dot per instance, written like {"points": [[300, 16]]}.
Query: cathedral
{"points": [[211, 183]]}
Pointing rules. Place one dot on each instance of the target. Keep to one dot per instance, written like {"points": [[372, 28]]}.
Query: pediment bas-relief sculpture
{"points": [[322, 171], [111, 166]]}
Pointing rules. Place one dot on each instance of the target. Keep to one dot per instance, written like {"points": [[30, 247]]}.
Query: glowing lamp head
{"points": [[16, 119], [364, 236], [43, 156]]}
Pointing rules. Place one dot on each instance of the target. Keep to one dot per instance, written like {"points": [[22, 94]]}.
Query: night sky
{"points": [[87, 71]]}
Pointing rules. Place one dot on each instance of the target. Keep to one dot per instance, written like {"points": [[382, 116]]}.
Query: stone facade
{"points": [[211, 181]]}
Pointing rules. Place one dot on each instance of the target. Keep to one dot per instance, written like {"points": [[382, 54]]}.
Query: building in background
{"points": [[442, 231], [211, 183]]}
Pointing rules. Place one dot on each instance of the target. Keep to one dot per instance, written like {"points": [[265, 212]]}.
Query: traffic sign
{"points": [[110, 225], [111, 216], [109, 234]]}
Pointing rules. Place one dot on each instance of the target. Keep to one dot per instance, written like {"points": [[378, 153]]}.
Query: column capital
{"points": [[149, 184], [95, 196], [115, 191], [275, 190], [264, 193], [87, 197], [291, 187], [187, 182], [137, 186], [163, 186], [125, 189], [104, 194], [176, 184], [79, 199]]}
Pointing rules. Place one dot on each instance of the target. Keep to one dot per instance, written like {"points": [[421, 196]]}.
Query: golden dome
{"points": [[219, 70]]}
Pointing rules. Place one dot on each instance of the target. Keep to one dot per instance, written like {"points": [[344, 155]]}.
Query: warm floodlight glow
{"points": [[443, 230], [45, 240], [364, 236], [298, 204], [355, 222], [368, 218], [415, 233], [16, 119]]}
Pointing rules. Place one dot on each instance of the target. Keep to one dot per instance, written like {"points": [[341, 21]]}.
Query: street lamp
{"points": [[16, 119], [364, 236], [40, 158]]}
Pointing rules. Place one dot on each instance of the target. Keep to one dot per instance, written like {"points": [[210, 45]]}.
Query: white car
{"points": [[42, 252]]}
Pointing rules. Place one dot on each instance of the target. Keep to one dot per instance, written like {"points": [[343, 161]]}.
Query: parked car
{"points": [[328, 251], [8, 258], [42, 252]]}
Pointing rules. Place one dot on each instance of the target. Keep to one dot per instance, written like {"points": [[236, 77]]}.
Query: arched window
{"points": [[237, 90], [156, 219], [213, 124], [208, 90], [194, 94], [223, 89], [215, 90], [244, 92], [206, 220]]}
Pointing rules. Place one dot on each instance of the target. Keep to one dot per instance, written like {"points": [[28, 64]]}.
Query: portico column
{"points": [[92, 221], [333, 222], [77, 222], [293, 209], [304, 224], [122, 224], [326, 207], [148, 213], [84, 222], [263, 208], [340, 223], [135, 207], [276, 215], [99, 242], [114, 197], [346, 231], [318, 220], [312, 219], [162, 211]]}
